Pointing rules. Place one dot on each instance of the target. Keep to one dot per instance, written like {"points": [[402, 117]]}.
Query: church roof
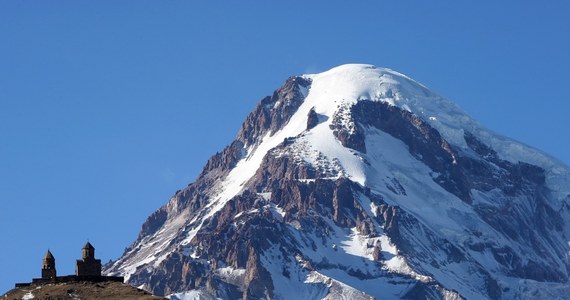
{"points": [[88, 246], [49, 255]]}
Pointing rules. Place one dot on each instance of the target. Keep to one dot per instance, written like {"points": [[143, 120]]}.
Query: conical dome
{"points": [[48, 256]]}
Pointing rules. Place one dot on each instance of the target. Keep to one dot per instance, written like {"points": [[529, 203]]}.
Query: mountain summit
{"points": [[360, 183]]}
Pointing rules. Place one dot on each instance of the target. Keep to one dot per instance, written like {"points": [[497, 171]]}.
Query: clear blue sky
{"points": [[108, 107]]}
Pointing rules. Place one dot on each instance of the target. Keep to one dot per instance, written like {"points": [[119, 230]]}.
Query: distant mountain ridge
{"points": [[361, 183]]}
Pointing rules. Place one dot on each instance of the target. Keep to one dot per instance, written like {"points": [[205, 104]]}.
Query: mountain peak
{"points": [[345, 85], [359, 181], [352, 82]]}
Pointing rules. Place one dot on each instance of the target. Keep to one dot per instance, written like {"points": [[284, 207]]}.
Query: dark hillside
{"points": [[79, 290]]}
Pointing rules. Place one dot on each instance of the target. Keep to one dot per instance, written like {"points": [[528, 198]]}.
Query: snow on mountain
{"points": [[359, 182]]}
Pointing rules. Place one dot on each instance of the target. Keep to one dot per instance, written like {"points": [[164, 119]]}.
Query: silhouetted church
{"points": [[86, 269], [88, 265], [48, 268]]}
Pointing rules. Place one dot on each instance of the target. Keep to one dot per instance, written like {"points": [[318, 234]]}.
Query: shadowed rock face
{"points": [[461, 174], [292, 211], [273, 111]]}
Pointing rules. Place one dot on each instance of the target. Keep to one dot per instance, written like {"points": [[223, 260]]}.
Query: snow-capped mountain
{"points": [[360, 183]]}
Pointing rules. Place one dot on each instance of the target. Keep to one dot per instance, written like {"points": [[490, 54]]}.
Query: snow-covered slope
{"points": [[359, 182]]}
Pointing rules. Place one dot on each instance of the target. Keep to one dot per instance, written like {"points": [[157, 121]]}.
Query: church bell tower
{"points": [[48, 267]]}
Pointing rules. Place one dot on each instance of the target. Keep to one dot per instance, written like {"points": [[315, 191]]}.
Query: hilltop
{"points": [[79, 290]]}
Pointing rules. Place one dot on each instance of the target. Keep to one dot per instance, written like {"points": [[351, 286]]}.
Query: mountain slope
{"points": [[360, 182]]}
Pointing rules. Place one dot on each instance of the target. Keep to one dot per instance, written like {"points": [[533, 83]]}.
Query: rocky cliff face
{"points": [[359, 183]]}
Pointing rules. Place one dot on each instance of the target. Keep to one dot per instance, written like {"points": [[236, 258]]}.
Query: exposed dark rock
{"points": [[273, 111], [312, 119], [224, 160], [257, 279], [423, 291], [347, 132], [480, 148], [154, 222]]}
